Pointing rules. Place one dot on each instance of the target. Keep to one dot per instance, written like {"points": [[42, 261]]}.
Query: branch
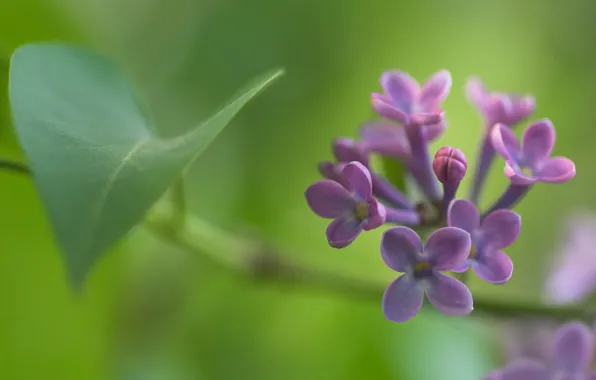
{"points": [[14, 166], [262, 262]]}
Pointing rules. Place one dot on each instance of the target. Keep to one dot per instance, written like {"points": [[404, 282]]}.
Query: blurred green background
{"points": [[152, 312]]}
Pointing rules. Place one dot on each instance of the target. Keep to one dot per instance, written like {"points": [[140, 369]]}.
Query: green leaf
{"points": [[97, 163]]}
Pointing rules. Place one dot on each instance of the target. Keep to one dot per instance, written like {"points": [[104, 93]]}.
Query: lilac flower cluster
{"points": [[357, 198], [569, 357]]}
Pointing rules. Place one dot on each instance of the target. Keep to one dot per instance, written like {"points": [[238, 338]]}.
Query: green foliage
{"points": [[98, 164]]}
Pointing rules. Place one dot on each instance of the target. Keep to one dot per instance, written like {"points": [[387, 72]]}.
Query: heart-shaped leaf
{"points": [[97, 163]]}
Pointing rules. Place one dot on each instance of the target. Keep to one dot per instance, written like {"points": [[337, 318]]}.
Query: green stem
{"points": [[262, 262], [179, 208], [13, 166]]}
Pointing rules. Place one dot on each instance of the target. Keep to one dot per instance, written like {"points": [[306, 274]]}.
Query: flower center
{"points": [[526, 171], [422, 269], [362, 210], [473, 252]]}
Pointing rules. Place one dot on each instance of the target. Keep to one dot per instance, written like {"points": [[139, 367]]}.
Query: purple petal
{"points": [[448, 248], [385, 137], [592, 376], [463, 214], [556, 170], [525, 370], [400, 247], [505, 142], [382, 105], [494, 375], [358, 177], [476, 92], [402, 299], [449, 295], [434, 91], [329, 199], [537, 142], [377, 215], [574, 347], [434, 131], [495, 267], [401, 88], [500, 228], [342, 232], [521, 108]]}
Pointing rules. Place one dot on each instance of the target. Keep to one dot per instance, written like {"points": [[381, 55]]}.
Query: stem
{"points": [[486, 156], [419, 164], [509, 198], [14, 166], [260, 261], [179, 203]]}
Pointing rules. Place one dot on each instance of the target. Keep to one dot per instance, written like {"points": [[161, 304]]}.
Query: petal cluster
{"points": [[359, 197]]}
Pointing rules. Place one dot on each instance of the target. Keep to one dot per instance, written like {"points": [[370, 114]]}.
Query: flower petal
{"points": [[342, 232], [401, 88], [377, 215], [521, 108], [448, 248], [400, 247], [329, 199], [538, 141], [434, 91], [434, 131], [494, 267], [449, 295], [505, 143], [574, 347], [402, 299], [463, 214], [500, 228], [385, 137], [382, 105], [358, 177], [525, 370], [476, 92], [494, 375], [556, 170], [592, 376]]}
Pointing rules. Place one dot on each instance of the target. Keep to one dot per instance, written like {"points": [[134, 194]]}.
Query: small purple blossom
{"points": [[573, 276], [403, 99], [571, 358], [497, 231], [498, 107], [402, 250], [352, 207], [531, 162]]}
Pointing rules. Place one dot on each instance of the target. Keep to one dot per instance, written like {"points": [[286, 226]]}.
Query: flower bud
{"points": [[450, 165], [347, 150]]}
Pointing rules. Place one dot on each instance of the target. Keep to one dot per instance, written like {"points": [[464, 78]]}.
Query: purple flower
{"points": [[497, 107], [572, 356], [388, 138], [573, 277], [352, 206], [402, 250], [404, 101], [497, 231], [531, 162]]}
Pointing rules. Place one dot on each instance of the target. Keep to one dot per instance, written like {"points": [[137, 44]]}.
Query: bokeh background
{"points": [[152, 312]]}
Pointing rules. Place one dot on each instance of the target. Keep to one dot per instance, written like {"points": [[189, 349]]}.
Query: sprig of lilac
{"points": [[411, 118]]}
